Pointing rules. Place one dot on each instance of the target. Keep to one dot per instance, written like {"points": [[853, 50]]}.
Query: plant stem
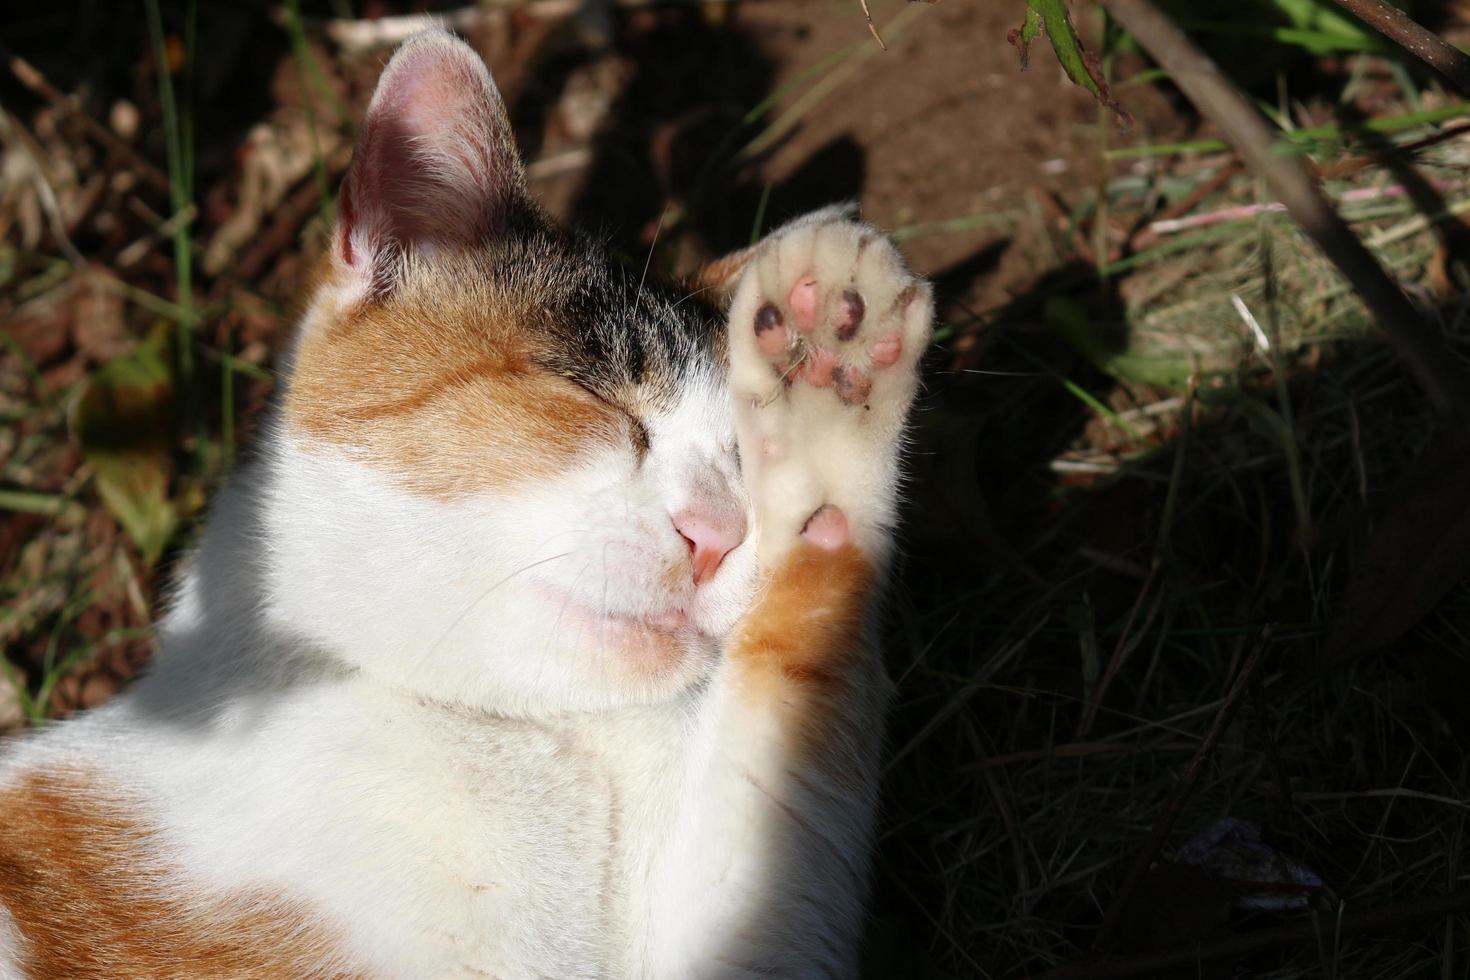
{"points": [[179, 181], [1441, 372], [1451, 63]]}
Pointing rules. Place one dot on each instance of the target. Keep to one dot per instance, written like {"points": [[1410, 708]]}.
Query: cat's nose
{"points": [[711, 537]]}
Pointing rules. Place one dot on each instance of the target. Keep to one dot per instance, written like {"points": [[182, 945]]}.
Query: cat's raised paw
{"points": [[826, 329], [823, 325]]}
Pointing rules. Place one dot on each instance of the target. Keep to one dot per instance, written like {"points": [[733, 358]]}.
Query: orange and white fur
{"points": [[536, 643]]}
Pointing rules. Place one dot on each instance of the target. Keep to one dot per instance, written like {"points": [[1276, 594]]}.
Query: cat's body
{"points": [[500, 661]]}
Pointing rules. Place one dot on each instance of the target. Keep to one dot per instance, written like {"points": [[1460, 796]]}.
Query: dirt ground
{"points": [[942, 125], [1094, 559]]}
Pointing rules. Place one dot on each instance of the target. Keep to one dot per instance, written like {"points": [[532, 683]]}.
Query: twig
{"points": [[1242, 211], [1126, 643], [1186, 204], [1423, 44], [872, 29], [1439, 369], [131, 254], [32, 79], [1057, 212], [290, 215], [562, 163], [1181, 792], [354, 35], [1416, 224], [1194, 198], [1070, 750], [1261, 940], [45, 193], [1341, 169]]}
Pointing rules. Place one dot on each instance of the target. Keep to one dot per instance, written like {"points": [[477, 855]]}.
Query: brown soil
{"points": [[943, 125]]}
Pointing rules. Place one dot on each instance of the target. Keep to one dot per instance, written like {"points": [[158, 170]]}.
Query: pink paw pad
{"points": [[822, 368], [827, 528], [803, 303], [886, 351]]}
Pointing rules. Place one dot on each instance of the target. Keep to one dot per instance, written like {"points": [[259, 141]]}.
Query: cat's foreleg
{"points": [[826, 328]]}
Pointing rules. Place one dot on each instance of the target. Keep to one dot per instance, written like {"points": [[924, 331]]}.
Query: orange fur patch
{"points": [[79, 883], [808, 619], [803, 658], [715, 281], [440, 384]]}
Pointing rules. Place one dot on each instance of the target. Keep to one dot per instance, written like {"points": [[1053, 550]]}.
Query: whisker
{"points": [[434, 647], [555, 631], [649, 261], [689, 296]]}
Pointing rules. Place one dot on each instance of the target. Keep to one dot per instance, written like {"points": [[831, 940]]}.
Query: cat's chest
{"points": [[515, 845], [569, 849], [437, 844]]}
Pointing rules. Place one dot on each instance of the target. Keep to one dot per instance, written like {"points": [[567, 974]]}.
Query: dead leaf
{"points": [[39, 327], [272, 160], [124, 421]]}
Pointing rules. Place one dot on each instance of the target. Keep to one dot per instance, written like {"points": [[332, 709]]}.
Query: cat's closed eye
{"points": [[637, 430]]}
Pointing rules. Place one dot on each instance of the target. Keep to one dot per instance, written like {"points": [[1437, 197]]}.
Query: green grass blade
{"points": [[1314, 134], [1086, 397], [179, 180], [757, 227], [29, 502]]}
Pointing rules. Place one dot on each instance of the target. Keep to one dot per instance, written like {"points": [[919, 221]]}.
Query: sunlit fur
{"points": [[437, 695], [464, 551]]}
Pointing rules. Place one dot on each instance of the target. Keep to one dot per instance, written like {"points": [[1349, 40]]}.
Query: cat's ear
{"points": [[435, 165]]}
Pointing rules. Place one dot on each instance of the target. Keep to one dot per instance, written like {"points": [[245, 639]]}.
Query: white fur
{"points": [[419, 716], [9, 948], [365, 700]]}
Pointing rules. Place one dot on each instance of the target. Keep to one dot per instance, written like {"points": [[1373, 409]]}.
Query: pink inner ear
{"points": [[435, 165]]}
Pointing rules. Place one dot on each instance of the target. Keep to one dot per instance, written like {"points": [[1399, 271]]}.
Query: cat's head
{"points": [[505, 473]]}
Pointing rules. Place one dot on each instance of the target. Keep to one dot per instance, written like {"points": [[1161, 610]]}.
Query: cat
{"points": [[539, 639]]}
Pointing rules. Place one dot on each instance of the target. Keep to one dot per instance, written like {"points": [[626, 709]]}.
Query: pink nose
{"points": [[710, 540]]}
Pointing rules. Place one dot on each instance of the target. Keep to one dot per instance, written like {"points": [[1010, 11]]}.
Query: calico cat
{"points": [[536, 643]]}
